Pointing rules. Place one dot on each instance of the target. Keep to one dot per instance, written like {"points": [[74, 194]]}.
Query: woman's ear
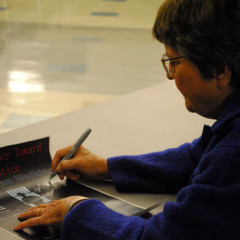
{"points": [[224, 79]]}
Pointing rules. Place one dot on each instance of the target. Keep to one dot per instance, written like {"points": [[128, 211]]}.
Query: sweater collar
{"points": [[231, 110]]}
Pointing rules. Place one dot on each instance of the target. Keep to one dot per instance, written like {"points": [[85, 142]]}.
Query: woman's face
{"points": [[206, 97]]}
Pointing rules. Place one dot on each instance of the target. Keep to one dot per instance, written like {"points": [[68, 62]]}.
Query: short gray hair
{"points": [[207, 32]]}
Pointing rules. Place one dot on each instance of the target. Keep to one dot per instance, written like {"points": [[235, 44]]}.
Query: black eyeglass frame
{"points": [[169, 59]]}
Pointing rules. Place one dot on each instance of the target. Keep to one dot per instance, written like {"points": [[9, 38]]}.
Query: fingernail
{"points": [[16, 228], [19, 216]]}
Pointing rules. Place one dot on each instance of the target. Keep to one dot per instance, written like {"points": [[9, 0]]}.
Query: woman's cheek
{"points": [[179, 85]]}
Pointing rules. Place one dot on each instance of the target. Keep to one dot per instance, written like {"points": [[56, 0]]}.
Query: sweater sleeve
{"points": [[207, 209], [158, 172], [201, 212], [91, 219]]}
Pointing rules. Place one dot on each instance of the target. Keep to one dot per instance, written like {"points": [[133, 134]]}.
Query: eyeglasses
{"points": [[169, 64]]}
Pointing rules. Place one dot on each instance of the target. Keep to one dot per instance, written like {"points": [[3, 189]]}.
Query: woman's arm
{"points": [[158, 172], [207, 209]]}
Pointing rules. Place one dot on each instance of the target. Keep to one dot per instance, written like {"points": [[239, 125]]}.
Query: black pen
{"points": [[74, 149]]}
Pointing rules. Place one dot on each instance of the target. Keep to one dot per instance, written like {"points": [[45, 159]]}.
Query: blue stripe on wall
{"points": [[108, 14], [3, 8]]}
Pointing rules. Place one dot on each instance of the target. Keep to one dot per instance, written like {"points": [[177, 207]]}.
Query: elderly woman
{"points": [[202, 42]]}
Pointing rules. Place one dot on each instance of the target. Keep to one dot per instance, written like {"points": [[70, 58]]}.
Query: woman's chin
{"points": [[189, 107]]}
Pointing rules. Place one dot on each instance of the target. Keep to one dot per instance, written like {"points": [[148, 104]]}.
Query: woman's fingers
{"points": [[31, 222], [43, 205], [85, 163], [69, 168], [59, 155], [29, 214], [49, 214], [68, 165], [73, 176], [37, 217]]}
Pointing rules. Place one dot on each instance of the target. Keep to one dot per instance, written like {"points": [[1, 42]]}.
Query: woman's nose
{"points": [[170, 76]]}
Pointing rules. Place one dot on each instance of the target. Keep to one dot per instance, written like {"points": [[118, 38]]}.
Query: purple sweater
{"points": [[205, 175]]}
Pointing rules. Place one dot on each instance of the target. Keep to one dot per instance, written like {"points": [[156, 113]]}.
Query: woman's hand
{"points": [[48, 214], [83, 165]]}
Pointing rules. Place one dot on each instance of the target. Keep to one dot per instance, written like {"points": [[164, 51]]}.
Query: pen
{"points": [[74, 149]]}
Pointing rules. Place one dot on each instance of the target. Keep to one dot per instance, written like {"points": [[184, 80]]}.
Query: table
{"points": [[151, 119]]}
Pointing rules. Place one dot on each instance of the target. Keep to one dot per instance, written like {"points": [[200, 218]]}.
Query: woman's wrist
{"points": [[73, 203]]}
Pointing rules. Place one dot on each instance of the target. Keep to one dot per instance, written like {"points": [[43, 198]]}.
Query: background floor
{"points": [[57, 56]]}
